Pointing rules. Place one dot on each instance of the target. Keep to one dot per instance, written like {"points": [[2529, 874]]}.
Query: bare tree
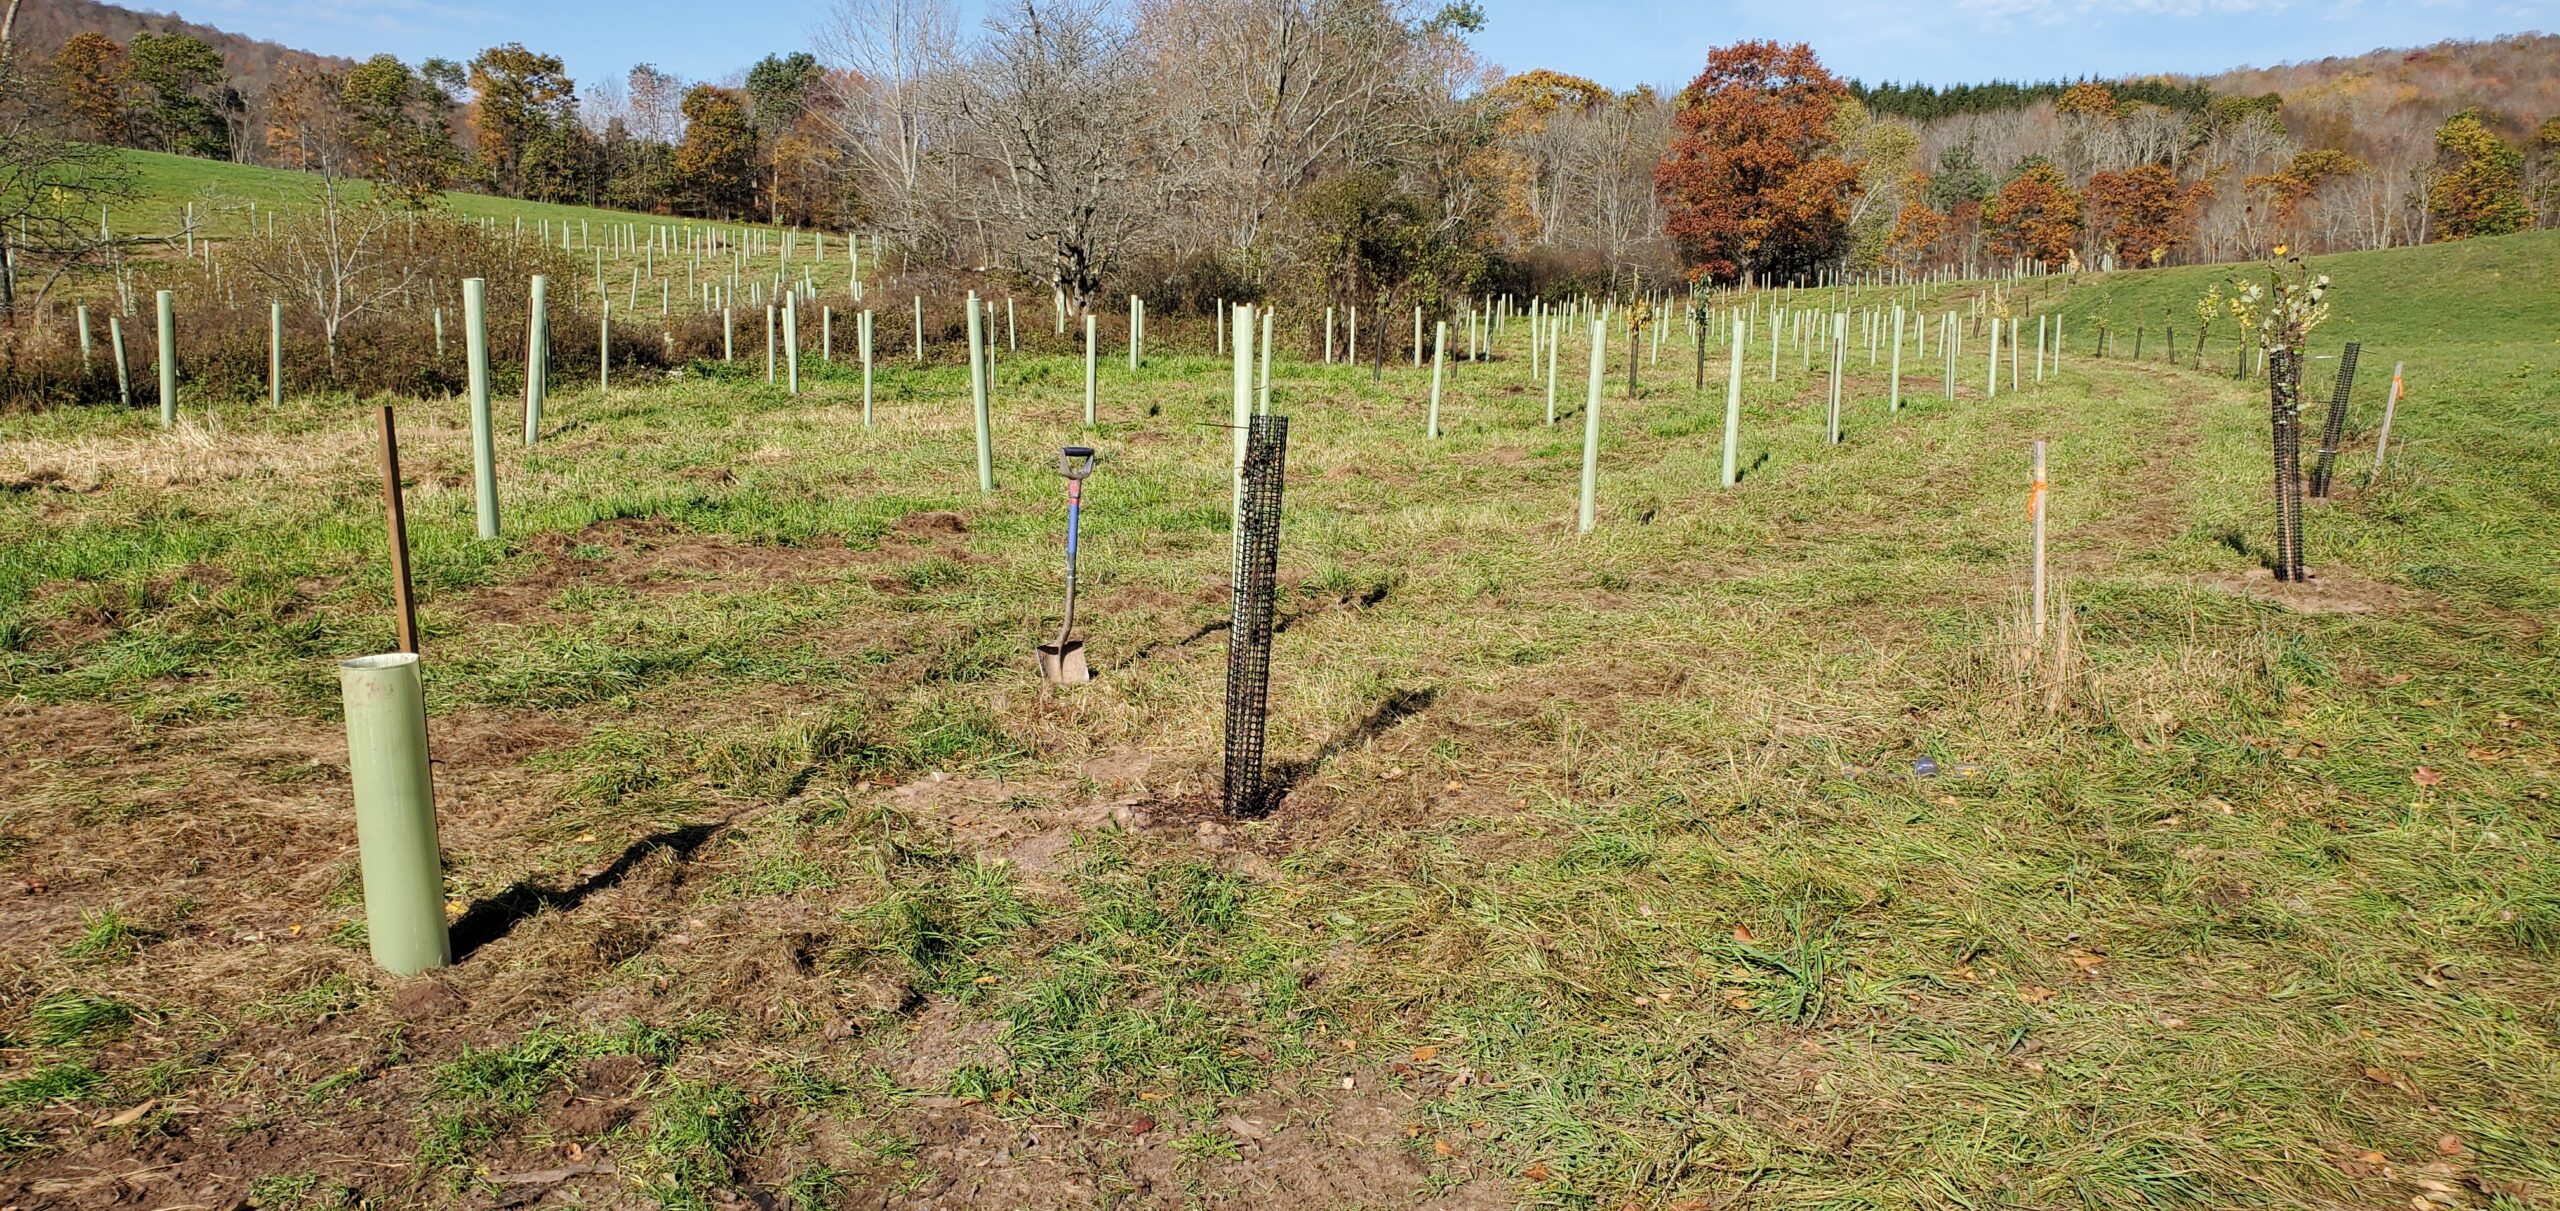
{"points": [[337, 259], [889, 56], [1046, 115]]}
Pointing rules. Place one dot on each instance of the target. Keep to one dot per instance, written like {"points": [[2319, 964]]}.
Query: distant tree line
{"points": [[1926, 102]]}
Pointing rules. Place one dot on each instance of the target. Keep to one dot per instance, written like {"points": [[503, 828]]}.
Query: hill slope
{"points": [[256, 65]]}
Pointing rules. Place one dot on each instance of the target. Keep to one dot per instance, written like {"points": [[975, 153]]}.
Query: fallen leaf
{"points": [[2379, 1077], [2488, 756], [2426, 777], [983, 981], [2036, 995], [1455, 785], [2174, 1023], [1537, 1172], [1443, 1147], [2450, 1145], [1742, 933], [1141, 1125], [1424, 1055], [127, 1118]]}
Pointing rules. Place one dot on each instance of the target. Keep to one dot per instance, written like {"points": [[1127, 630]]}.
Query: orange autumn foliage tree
{"points": [[1749, 183], [2286, 189], [2036, 215], [2142, 214], [1916, 228]]}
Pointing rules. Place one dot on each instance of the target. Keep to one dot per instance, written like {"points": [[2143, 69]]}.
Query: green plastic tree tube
{"points": [[168, 359], [978, 398], [395, 813], [484, 444]]}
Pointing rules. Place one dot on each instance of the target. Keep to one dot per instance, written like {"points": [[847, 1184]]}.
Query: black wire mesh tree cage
{"points": [[2284, 398], [2336, 428], [1249, 633]]}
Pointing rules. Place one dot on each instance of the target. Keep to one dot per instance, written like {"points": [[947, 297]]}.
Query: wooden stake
{"points": [[399, 530], [2381, 440]]}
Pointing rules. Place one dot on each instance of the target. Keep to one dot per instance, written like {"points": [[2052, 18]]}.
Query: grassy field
{"points": [[1604, 877], [222, 193]]}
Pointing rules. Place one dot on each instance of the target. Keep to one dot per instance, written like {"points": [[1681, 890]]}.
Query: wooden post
{"points": [[402, 603], [2381, 440]]}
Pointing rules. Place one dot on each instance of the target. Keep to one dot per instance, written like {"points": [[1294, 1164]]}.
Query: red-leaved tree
{"points": [[2142, 214], [2036, 215], [1749, 184]]}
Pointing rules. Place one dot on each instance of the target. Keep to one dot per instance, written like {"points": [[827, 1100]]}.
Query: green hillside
{"points": [[222, 193]]}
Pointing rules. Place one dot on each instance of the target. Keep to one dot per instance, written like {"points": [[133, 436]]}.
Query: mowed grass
{"points": [[1606, 875], [222, 193]]}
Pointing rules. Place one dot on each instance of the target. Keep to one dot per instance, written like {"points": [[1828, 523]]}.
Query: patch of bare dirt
{"points": [[2330, 590], [1315, 1148], [647, 554]]}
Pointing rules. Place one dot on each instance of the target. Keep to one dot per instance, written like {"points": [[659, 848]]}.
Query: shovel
{"points": [[1062, 662]]}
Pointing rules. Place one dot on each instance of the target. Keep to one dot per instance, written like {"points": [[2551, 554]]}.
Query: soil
{"points": [[2332, 590], [650, 555]]}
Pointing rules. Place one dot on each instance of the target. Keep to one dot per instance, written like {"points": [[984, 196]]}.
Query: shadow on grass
{"points": [[1399, 706], [495, 917]]}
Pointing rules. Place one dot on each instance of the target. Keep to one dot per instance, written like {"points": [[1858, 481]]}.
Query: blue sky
{"points": [[1617, 42]]}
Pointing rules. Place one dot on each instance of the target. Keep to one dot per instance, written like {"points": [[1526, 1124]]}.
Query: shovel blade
{"points": [[1063, 663]]}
